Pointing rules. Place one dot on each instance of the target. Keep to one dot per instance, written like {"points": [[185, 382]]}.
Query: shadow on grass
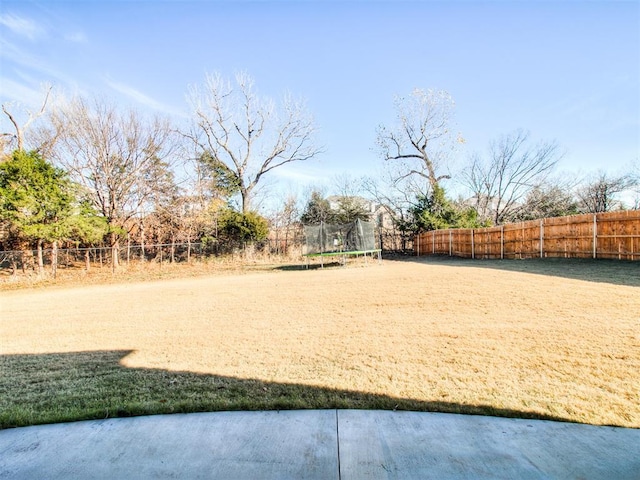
{"points": [[616, 272], [62, 387], [311, 266]]}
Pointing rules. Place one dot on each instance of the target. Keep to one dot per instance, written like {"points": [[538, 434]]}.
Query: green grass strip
{"points": [[51, 388], [335, 254]]}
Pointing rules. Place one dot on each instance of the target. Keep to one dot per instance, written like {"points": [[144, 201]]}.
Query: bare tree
{"points": [[553, 198], [246, 136], [284, 221], [21, 129], [120, 159], [395, 196], [501, 182], [635, 177], [349, 203], [422, 140], [601, 192]]}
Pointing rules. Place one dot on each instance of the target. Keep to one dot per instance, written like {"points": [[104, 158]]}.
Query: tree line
{"points": [[86, 171]]}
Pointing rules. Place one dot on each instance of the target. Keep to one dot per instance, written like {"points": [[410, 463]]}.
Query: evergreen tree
{"points": [[38, 203], [317, 210], [36, 197], [351, 209], [237, 228], [435, 212]]}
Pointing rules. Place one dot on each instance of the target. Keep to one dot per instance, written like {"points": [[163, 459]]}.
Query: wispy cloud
{"points": [[76, 37], [29, 71], [21, 92], [141, 98], [600, 102], [12, 53], [22, 26]]}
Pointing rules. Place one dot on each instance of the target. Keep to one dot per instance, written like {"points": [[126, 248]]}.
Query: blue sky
{"points": [[566, 70]]}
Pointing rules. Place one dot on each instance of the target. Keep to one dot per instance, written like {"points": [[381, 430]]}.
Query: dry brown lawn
{"points": [[547, 342]]}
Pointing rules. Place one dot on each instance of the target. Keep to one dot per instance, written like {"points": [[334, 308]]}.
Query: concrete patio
{"points": [[320, 444]]}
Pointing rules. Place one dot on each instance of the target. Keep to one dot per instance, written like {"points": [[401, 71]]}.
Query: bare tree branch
{"points": [[422, 135], [121, 159], [249, 134], [20, 130], [501, 183], [600, 192]]}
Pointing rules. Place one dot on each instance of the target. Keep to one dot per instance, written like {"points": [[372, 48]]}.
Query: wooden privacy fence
{"points": [[603, 235]]}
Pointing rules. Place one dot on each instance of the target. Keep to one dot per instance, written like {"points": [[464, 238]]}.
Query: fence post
{"points": [[501, 242], [450, 244], [418, 245], [473, 247], [541, 237], [595, 234]]}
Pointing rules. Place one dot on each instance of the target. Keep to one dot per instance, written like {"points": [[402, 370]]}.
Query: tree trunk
{"points": [[115, 251], [40, 259], [142, 257], [245, 193], [54, 258], [27, 258]]}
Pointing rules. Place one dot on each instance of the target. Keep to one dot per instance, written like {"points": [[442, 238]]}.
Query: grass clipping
{"points": [[555, 340]]}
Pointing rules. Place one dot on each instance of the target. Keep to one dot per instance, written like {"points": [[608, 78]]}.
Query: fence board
{"points": [[613, 235]]}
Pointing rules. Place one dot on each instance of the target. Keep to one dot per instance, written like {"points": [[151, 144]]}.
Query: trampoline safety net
{"points": [[350, 237]]}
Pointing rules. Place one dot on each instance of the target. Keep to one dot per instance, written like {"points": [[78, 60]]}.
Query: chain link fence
{"points": [[16, 261], [283, 248]]}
